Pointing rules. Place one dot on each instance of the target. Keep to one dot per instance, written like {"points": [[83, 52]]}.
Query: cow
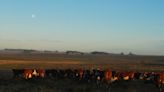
{"points": [[53, 73], [28, 73], [142, 75], [107, 77], [17, 72], [117, 76], [87, 76], [79, 74], [128, 75], [137, 75], [159, 80], [35, 73], [97, 76], [68, 73], [41, 73]]}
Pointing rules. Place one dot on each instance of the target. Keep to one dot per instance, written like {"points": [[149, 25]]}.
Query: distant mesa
{"points": [[47, 51], [122, 53], [99, 53], [69, 52], [74, 53], [131, 54], [20, 50]]}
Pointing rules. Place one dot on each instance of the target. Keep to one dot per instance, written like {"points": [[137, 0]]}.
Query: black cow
{"points": [[17, 72], [87, 76], [69, 73], [97, 76], [52, 73]]}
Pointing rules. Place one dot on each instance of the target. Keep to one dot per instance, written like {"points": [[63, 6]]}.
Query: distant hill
{"points": [[69, 52], [74, 53], [99, 53]]}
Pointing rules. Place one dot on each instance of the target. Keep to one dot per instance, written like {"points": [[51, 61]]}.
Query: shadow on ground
{"points": [[9, 84]]}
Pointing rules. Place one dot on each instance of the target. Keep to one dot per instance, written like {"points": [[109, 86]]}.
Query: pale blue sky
{"points": [[83, 25]]}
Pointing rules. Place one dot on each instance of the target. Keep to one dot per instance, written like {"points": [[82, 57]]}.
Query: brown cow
{"points": [[160, 79], [81, 72], [41, 72], [117, 76], [128, 75], [108, 78], [107, 75], [28, 73]]}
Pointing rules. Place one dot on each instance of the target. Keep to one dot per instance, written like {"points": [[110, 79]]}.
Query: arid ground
{"points": [[63, 61], [115, 62]]}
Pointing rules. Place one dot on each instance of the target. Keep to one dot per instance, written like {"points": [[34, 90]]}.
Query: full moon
{"points": [[33, 15]]}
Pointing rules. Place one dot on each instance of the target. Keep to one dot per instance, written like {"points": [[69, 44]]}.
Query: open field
{"points": [[116, 62], [63, 61], [8, 61]]}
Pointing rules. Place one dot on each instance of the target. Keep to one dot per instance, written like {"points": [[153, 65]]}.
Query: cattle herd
{"points": [[105, 77]]}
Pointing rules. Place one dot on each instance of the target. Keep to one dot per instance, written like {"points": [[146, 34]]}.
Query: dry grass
{"points": [[117, 62]]}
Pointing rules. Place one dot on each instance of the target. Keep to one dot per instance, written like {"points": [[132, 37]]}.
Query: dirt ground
{"points": [[115, 62]]}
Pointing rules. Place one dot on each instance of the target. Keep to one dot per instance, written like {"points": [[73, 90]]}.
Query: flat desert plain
{"points": [[86, 61]]}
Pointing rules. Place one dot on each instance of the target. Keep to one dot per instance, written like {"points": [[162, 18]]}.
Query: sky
{"points": [[114, 26]]}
